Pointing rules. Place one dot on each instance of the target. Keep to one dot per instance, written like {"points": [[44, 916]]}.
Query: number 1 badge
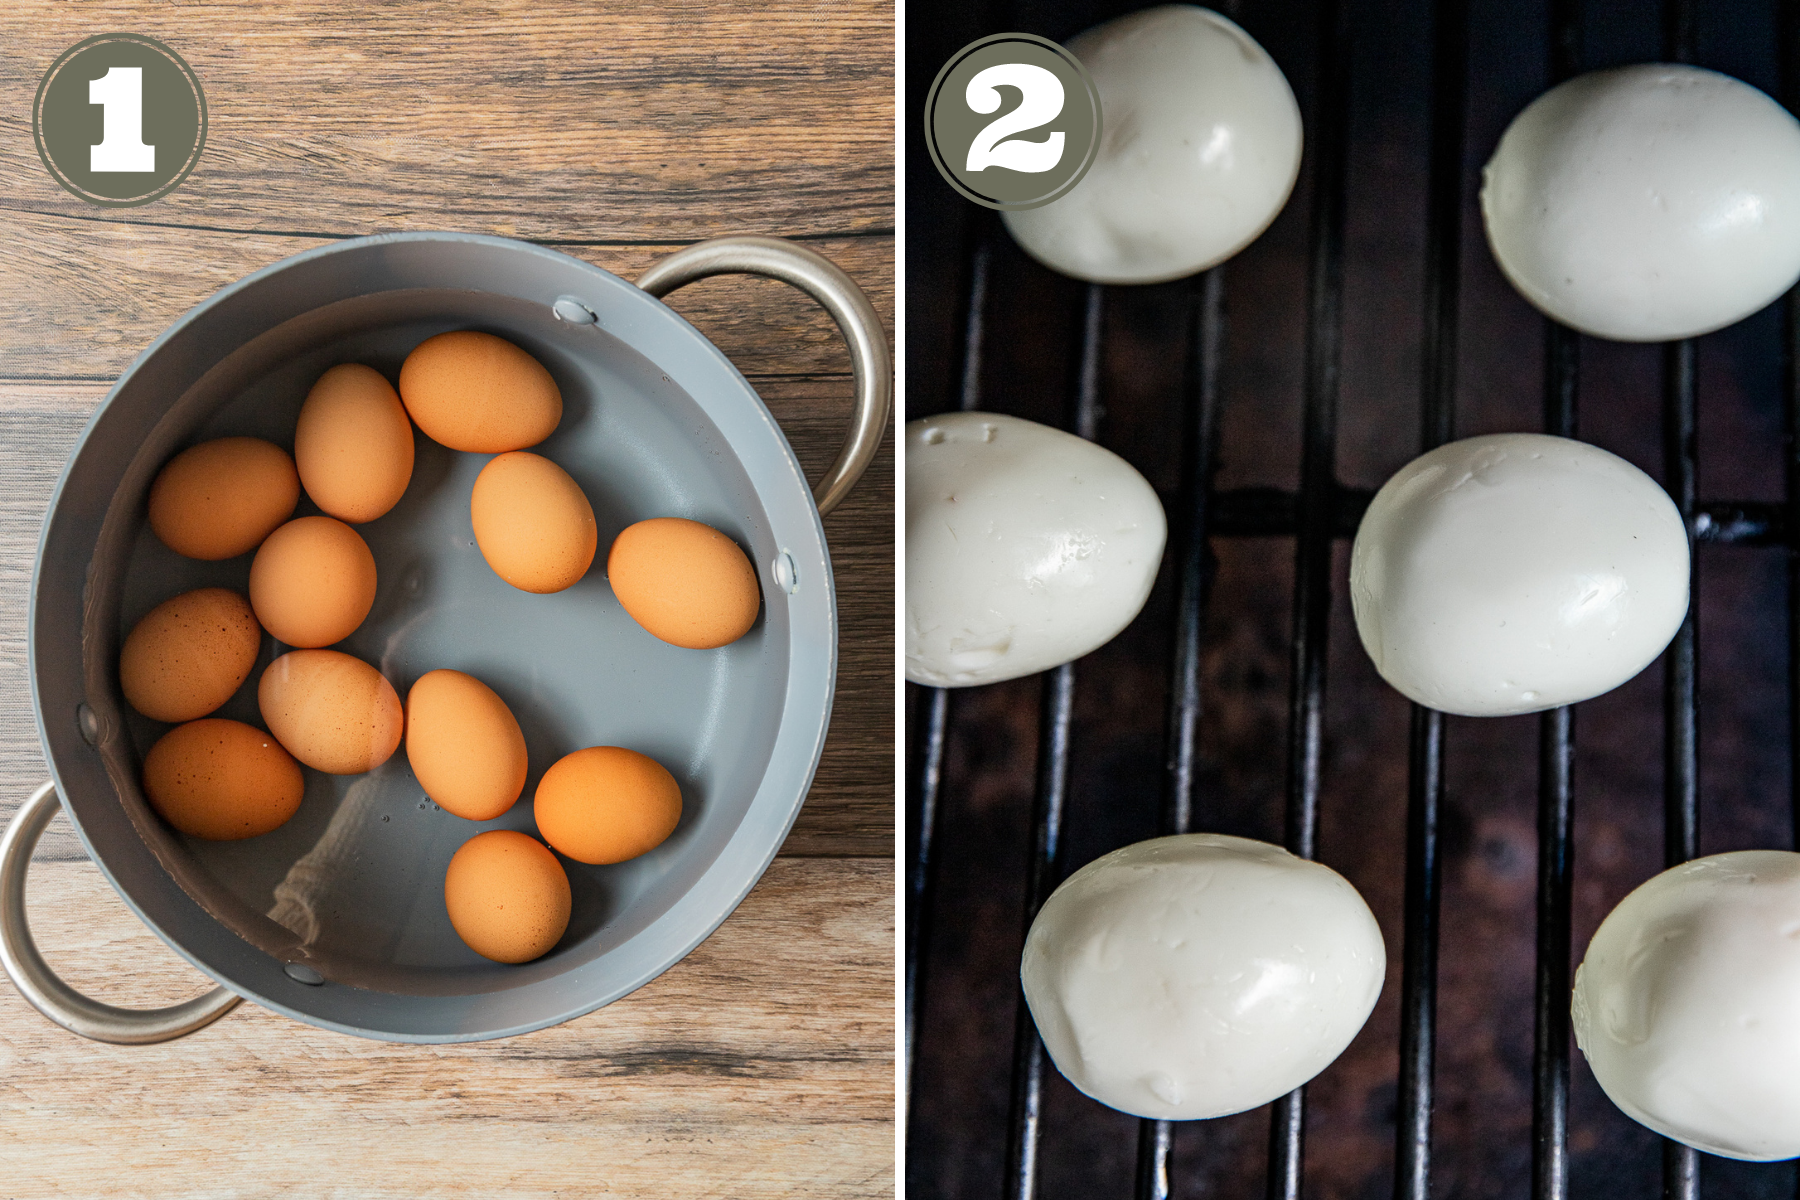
{"points": [[120, 119]]}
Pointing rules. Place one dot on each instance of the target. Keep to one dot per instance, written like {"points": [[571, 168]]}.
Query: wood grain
{"points": [[760, 1065], [81, 298], [532, 118], [850, 808]]}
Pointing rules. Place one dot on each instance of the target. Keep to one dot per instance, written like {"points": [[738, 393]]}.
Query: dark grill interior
{"points": [[1266, 400]]}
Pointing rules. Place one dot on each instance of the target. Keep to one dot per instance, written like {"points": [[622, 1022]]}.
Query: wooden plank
{"points": [[850, 809], [726, 1076], [533, 118], [81, 298]]}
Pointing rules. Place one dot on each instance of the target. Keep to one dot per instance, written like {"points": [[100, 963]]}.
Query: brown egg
{"points": [[333, 712], [221, 498], [353, 446], [312, 582], [533, 523], [464, 745], [189, 654], [474, 391], [222, 780], [684, 582], [507, 896], [606, 804]]}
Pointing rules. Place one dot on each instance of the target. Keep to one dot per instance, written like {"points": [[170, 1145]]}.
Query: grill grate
{"points": [[1317, 514]]}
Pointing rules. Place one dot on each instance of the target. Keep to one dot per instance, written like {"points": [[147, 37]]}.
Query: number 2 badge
{"points": [[1013, 121]]}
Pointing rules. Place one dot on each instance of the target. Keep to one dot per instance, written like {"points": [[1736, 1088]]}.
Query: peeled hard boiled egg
{"points": [[1685, 1004], [1200, 146], [1026, 547], [1200, 975], [1647, 203], [1517, 572]]}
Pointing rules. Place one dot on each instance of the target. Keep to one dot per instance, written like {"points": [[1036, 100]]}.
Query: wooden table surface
{"points": [[761, 1065]]}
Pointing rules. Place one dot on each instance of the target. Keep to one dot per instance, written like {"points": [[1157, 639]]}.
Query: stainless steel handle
{"points": [[40, 985], [819, 278]]}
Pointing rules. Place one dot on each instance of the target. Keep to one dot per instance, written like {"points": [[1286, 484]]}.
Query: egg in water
{"points": [[606, 804], [1200, 147], [533, 523], [684, 582], [221, 498], [312, 582], [222, 780], [353, 445], [474, 391], [333, 712], [464, 745], [189, 654], [508, 898], [1517, 572], [1200, 975]]}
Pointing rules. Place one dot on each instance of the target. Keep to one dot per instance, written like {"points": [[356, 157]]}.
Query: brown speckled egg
{"points": [[221, 498], [684, 582], [312, 582], [533, 523], [353, 445], [222, 780], [464, 745], [474, 391], [333, 712], [606, 804], [189, 654], [507, 896]]}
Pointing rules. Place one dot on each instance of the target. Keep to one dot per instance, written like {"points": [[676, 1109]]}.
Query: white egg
{"points": [[1199, 148], [1195, 976], [1517, 572], [1026, 547], [1647, 203], [1686, 1004]]}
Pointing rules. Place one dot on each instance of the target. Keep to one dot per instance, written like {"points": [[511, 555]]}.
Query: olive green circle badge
{"points": [[120, 119], [1013, 121]]}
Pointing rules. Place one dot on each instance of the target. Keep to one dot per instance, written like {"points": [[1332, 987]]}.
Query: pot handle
{"points": [[821, 279], [40, 985]]}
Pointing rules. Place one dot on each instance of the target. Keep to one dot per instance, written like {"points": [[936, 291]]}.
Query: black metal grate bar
{"points": [[1047, 811], [1556, 766], [1318, 488], [1206, 304], [919, 873], [1425, 783], [1681, 718]]}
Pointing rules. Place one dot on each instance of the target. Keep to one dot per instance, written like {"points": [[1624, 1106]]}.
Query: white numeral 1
{"points": [[120, 95]]}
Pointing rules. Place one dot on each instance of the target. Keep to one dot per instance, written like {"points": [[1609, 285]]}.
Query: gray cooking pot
{"points": [[337, 918]]}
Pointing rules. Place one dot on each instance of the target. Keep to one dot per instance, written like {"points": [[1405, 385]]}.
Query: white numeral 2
{"points": [[1042, 94], [120, 95]]}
